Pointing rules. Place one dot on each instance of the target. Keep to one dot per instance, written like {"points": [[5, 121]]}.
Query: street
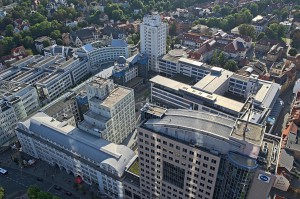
{"points": [[52, 180], [287, 98]]}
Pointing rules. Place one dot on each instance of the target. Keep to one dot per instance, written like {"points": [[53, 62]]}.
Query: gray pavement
{"points": [[18, 179]]}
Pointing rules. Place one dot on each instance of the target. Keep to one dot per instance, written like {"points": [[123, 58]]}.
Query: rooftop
{"points": [[266, 94], [254, 133], [114, 97], [167, 82], [175, 55], [134, 168], [211, 82], [195, 120], [79, 142], [206, 123], [154, 110]]}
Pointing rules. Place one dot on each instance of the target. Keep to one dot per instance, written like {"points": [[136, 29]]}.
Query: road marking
{"points": [[50, 187]]}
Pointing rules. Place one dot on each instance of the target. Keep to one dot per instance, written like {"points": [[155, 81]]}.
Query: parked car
{"points": [[57, 187], [40, 179], [68, 193]]}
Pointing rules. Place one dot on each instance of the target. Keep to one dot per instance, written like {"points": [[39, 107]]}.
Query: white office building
{"points": [[17, 101], [52, 75], [95, 160], [102, 53], [153, 36], [111, 114]]}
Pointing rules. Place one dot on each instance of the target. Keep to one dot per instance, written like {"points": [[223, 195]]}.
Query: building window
{"points": [[173, 174]]}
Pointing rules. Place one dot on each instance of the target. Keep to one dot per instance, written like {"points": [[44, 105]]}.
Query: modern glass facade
{"points": [[235, 176]]}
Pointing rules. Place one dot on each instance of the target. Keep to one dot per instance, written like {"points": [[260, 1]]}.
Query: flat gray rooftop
{"points": [[211, 82], [114, 97], [253, 134]]}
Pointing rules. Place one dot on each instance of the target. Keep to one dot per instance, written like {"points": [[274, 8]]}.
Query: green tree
{"points": [[231, 65], [172, 30], [215, 58], [9, 30], [275, 31], [136, 4], [296, 39], [59, 41], [17, 38], [260, 36], [55, 34], [46, 43], [117, 15], [253, 8], [110, 8], [33, 192], [2, 193], [36, 17], [44, 195], [293, 52], [226, 10], [217, 8], [27, 42], [60, 15], [221, 59], [248, 30]]}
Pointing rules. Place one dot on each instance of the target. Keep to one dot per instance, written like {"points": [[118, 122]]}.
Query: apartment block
{"points": [[93, 159], [176, 61], [111, 113], [17, 101], [153, 37], [190, 154]]}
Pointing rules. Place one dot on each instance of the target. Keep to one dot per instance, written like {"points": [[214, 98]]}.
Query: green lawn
{"points": [[135, 168]]}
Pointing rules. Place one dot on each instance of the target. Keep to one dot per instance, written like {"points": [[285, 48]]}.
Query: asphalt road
{"points": [[287, 98], [16, 182]]}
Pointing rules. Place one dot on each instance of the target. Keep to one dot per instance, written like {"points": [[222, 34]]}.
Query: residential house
{"points": [[259, 23], [66, 38], [184, 13], [2, 13], [193, 40], [84, 36], [253, 68], [237, 49], [117, 32], [287, 25], [18, 51], [275, 53], [71, 23], [264, 45], [41, 41], [182, 26]]}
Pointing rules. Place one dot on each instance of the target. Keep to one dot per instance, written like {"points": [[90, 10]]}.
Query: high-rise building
{"points": [[111, 113], [198, 155], [153, 36]]}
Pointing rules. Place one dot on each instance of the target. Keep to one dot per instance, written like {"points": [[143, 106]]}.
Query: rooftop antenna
{"points": [[250, 110]]}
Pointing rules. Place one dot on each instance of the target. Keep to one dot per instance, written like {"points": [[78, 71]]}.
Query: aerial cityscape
{"points": [[150, 99]]}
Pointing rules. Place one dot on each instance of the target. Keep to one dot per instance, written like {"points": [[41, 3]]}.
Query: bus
{"points": [[3, 171]]}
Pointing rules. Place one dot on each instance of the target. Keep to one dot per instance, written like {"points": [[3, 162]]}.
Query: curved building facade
{"points": [[237, 176]]}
